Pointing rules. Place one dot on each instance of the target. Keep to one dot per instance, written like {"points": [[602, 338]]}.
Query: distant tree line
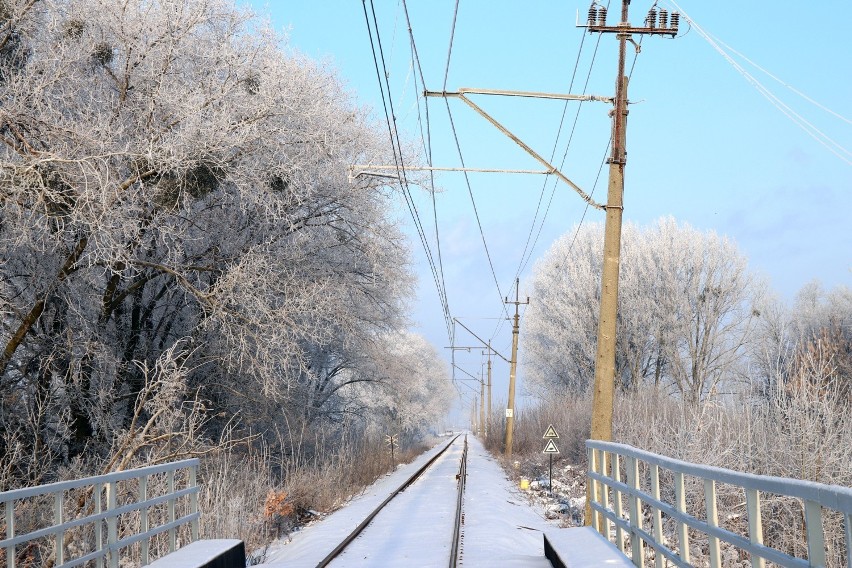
{"points": [[694, 322]]}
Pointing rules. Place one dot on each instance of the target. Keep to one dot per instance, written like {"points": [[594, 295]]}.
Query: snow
{"points": [[588, 549], [197, 553], [500, 527]]}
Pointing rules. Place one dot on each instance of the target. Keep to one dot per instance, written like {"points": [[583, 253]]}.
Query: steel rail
{"points": [[459, 520], [363, 524]]}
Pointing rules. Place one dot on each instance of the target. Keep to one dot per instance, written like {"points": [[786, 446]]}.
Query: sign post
{"points": [[392, 440], [550, 449]]}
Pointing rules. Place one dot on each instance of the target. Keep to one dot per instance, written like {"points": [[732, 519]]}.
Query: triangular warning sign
{"points": [[550, 448], [551, 433]]}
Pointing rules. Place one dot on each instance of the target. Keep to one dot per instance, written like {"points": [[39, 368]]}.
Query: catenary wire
{"points": [[426, 138], [450, 48], [475, 210], [783, 83], [526, 256], [397, 152], [401, 166]]}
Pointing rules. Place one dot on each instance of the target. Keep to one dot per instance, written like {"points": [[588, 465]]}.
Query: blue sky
{"points": [[704, 146]]}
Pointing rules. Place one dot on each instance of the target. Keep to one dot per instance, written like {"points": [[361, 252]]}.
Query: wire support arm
{"points": [[550, 167], [525, 94], [359, 170], [482, 340]]}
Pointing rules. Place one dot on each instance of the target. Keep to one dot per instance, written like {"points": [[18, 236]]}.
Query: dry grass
{"points": [[801, 435], [243, 493]]}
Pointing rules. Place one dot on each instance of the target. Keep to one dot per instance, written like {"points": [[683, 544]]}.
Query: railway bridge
{"points": [[454, 506]]}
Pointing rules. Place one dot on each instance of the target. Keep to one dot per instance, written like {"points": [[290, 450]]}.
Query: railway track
{"points": [[457, 517]]}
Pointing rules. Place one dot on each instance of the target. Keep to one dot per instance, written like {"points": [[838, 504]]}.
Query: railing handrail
{"points": [[25, 492], [835, 497], [605, 480], [111, 547]]}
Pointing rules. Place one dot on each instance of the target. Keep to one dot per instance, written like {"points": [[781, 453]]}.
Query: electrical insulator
{"points": [[652, 18], [602, 16], [675, 20], [593, 15], [664, 18]]}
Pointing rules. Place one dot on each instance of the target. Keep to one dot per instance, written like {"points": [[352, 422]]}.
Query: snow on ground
{"points": [[307, 547], [416, 527], [500, 526], [500, 529]]}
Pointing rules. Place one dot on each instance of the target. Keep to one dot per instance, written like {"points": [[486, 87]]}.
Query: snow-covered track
{"points": [[457, 517]]}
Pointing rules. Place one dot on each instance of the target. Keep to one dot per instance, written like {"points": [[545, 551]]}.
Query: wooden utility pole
{"points": [[604, 386], [513, 367]]}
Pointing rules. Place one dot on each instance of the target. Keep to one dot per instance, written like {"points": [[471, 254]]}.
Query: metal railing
{"points": [[98, 508], [667, 493]]}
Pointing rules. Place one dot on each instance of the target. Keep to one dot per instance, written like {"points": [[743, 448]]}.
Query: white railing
{"points": [[103, 502], [681, 501]]}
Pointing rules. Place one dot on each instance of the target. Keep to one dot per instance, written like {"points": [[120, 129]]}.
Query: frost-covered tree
{"points": [[685, 310], [408, 389], [806, 345], [171, 173]]}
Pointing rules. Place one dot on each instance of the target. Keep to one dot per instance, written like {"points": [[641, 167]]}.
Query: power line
{"points": [[426, 139], [450, 48], [552, 156], [603, 161], [475, 210], [812, 131], [393, 133]]}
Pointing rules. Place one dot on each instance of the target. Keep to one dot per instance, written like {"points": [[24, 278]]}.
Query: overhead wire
{"points": [[782, 82], [526, 256], [603, 161], [830, 144], [387, 103], [461, 159], [426, 139], [450, 48], [552, 156], [475, 210]]}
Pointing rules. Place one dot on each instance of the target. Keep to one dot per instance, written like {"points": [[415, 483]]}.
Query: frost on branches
{"points": [[686, 311], [175, 207]]}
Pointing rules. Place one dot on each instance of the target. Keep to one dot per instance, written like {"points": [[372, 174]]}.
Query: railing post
{"points": [[99, 526], [848, 530], [170, 479], [680, 506], [10, 532], [145, 543], [593, 487], [658, 517], [713, 521], [193, 500], [619, 509], [59, 548], [755, 525], [816, 538], [637, 553], [603, 498], [112, 524]]}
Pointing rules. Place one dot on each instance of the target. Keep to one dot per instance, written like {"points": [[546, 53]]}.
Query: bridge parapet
{"points": [[105, 515], [681, 502]]}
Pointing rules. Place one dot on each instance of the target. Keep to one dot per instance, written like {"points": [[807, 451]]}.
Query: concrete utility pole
{"points": [[513, 366], [481, 405], [489, 380], [604, 386]]}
